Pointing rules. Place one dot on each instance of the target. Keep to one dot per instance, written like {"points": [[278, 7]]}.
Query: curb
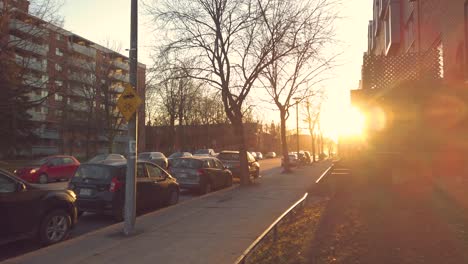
{"points": [[116, 226]]}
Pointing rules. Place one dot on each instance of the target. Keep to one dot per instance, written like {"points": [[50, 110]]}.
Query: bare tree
{"points": [[312, 117], [22, 34], [222, 38], [291, 79]]}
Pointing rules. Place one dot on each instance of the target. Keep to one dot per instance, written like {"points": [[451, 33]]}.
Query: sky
{"points": [[109, 20]]}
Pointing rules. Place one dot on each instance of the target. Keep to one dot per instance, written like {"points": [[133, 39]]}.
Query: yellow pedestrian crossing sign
{"points": [[128, 102]]}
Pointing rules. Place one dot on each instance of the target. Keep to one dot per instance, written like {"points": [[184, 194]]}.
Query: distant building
{"points": [[216, 136], [78, 72]]}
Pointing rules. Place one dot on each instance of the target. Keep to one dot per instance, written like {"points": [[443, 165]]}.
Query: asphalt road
{"points": [[91, 222]]}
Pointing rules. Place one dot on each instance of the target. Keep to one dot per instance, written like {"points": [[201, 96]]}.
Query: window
{"points": [[410, 34], [58, 97], [59, 83], [208, 164], [218, 164], [58, 68], [58, 37], [56, 162], [58, 113], [141, 171], [58, 52], [7, 185], [155, 172], [67, 161]]}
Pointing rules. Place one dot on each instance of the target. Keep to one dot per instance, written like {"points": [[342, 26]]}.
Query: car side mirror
{"points": [[20, 187]]}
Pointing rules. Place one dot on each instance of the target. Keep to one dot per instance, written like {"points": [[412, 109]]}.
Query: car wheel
{"points": [[80, 213], [173, 197], [206, 188], [43, 178], [55, 227]]}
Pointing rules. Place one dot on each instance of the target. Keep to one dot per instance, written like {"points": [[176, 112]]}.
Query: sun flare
{"points": [[353, 123]]}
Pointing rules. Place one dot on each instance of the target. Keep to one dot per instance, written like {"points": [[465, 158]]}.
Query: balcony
{"points": [[31, 63], [79, 106], [117, 88], [28, 46], [47, 133], [82, 78], [44, 150], [31, 30], [121, 65], [37, 116], [33, 81], [120, 77], [83, 64], [87, 51]]}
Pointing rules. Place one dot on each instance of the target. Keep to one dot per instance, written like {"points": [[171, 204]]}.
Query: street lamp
{"points": [[297, 99]]}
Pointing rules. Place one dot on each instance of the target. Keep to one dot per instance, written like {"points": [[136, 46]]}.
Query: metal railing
{"points": [[272, 228], [325, 173]]}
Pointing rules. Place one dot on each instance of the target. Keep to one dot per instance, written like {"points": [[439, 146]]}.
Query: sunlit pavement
{"points": [[91, 222], [215, 228]]}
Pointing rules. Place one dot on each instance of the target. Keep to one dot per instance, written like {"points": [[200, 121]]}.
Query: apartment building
{"points": [[416, 26], [78, 80]]}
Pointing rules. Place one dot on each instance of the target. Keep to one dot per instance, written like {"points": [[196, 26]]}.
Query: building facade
{"points": [[77, 80], [416, 26]]}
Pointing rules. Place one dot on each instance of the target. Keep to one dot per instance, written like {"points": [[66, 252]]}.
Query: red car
{"points": [[52, 168]]}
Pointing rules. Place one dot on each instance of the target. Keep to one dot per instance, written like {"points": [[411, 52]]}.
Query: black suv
{"points": [[29, 211], [100, 187]]}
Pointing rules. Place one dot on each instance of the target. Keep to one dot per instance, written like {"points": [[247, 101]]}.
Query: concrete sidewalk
{"points": [[216, 228]]}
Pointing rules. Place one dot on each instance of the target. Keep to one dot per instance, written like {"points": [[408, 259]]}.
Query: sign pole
{"points": [[130, 186]]}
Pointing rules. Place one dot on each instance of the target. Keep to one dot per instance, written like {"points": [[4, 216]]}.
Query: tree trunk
{"points": [[244, 168], [173, 133], [313, 147], [284, 143]]}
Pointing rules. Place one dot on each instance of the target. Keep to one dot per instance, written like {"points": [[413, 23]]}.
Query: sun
{"points": [[353, 123], [344, 121]]}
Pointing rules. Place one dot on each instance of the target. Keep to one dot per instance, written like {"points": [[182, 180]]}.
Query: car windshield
{"points": [[228, 156], [144, 155], [176, 155], [98, 158], [91, 171], [157, 155], [40, 162], [187, 163], [202, 151]]}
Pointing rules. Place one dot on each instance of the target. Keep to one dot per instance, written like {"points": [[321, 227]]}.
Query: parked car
{"points": [[101, 157], [231, 160], [203, 174], [157, 158], [205, 152], [259, 156], [176, 155], [52, 168], [100, 187], [253, 153], [307, 157], [29, 211], [293, 160], [270, 155]]}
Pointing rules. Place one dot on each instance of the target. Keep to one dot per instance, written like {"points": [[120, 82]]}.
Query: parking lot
{"points": [[91, 222]]}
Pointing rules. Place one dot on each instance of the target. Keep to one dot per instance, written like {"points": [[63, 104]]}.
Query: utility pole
{"points": [[130, 186]]}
